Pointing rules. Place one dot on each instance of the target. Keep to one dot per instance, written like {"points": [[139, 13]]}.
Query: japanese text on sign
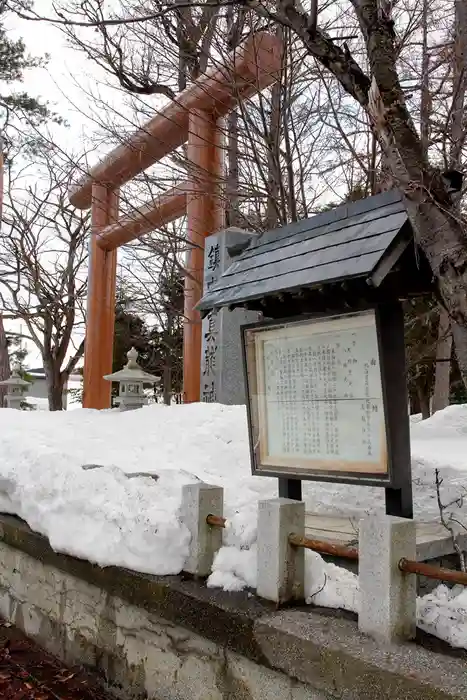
{"points": [[209, 357], [320, 395]]}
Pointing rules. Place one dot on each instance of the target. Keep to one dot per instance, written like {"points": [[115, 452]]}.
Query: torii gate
{"points": [[195, 116]]}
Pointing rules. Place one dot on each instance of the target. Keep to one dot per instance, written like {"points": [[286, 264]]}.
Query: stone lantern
{"points": [[15, 387], [131, 380]]}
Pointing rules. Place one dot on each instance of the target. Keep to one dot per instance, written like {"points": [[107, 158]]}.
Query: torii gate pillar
{"points": [[205, 215], [100, 321]]}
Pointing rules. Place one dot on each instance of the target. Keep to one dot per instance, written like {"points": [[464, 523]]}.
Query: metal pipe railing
{"points": [[430, 571], [216, 520], [338, 550], [334, 550]]}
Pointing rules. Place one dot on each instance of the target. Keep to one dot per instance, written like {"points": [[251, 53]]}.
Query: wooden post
{"points": [[108, 304], [205, 215], [101, 302], [399, 499]]}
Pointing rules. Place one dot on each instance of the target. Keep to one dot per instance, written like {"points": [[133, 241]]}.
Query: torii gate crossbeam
{"points": [[194, 116]]}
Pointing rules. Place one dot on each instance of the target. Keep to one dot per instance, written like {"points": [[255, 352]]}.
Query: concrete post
{"points": [[199, 501], [388, 597], [281, 567]]}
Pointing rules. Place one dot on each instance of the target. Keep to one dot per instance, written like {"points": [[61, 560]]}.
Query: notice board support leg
{"points": [[399, 500], [290, 488]]}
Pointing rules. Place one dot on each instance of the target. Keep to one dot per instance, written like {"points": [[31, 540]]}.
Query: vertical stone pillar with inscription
{"points": [[221, 354]]}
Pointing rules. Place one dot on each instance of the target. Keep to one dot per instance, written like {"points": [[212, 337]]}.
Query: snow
{"points": [[101, 515], [39, 403], [444, 614]]}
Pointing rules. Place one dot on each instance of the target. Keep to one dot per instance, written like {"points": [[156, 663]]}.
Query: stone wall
{"points": [[173, 639], [139, 654]]}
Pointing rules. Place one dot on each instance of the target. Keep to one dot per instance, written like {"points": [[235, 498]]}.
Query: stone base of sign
{"points": [[199, 501], [388, 597], [221, 357], [281, 568]]}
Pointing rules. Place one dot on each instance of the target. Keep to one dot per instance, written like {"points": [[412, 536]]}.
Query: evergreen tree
{"points": [[160, 347], [20, 113], [130, 331]]}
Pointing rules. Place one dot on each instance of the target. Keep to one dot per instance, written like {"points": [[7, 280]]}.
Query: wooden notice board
{"points": [[316, 399]]}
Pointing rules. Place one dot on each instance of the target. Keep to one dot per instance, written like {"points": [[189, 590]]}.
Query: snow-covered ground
{"points": [[102, 516]]}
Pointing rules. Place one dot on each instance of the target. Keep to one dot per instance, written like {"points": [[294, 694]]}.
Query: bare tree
{"points": [[456, 135], [42, 253], [450, 519], [153, 277], [439, 229]]}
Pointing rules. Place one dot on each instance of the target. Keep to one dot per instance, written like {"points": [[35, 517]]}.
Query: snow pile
{"points": [[39, 404], [234, 567], [443, 613], [102, 515], [326, 585]]}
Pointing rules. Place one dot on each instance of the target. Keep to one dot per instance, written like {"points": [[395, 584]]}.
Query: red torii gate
{"points": [[195, 116]]}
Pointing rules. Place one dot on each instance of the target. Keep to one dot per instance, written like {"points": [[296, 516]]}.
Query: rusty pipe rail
{"points": [[334, 550], [440, 574], [216, 520], [406, 565], [337, 550]]}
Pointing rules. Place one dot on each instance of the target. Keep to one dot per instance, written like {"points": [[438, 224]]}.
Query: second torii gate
{"points": [[194, 116]]}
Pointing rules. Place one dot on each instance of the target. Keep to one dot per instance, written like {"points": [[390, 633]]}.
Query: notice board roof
{"points": [[358, 239]]}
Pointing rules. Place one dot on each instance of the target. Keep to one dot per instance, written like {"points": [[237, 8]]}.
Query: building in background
{"points": [[37, 394]]}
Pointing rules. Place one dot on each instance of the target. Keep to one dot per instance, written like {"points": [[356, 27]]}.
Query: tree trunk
{"points": [[443, 364], [425, 106], [235, 17], [55, 385], [459, 81], [4, 360], [232, 209], [442, 238], [432, 211], [167, 382], [459, 73], [414, 403], [167, 379], [273, 159], [424, 401], [55, 398]]}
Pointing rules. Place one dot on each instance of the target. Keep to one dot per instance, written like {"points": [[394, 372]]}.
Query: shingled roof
{"points": [[348, 242]]}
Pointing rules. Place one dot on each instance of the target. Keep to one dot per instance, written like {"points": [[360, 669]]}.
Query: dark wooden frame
{"points": [[398, 480]]}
